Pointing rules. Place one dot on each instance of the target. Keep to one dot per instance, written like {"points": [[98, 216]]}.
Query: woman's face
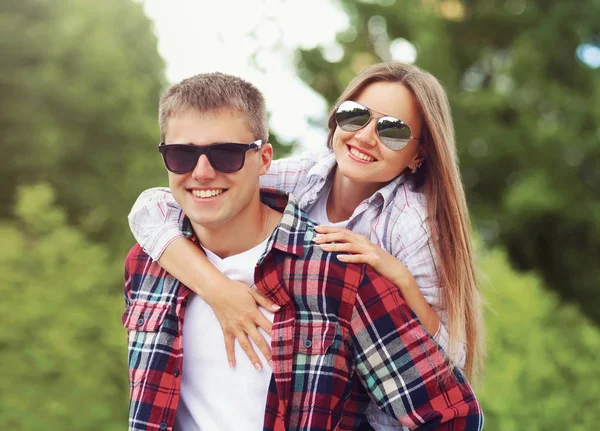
{"points": [[360, 155]]}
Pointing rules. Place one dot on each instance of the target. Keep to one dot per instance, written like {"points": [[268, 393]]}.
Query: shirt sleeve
{"points": [[414, 247], [127, 284], [403, 369], [286, 174], [128, 277], [155, 220]]}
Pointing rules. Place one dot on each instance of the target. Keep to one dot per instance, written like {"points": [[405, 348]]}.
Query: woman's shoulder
{"points": [[407, 200], [306, 158], [408, 209]]}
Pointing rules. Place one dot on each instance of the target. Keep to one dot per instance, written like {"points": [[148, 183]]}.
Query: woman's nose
{"points": [[368, 134]]}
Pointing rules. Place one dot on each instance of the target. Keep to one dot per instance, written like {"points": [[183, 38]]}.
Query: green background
{"points": [[79, 86]]}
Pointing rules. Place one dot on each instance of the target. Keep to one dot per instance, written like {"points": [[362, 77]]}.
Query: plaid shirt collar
{"points": [[290, 234]]}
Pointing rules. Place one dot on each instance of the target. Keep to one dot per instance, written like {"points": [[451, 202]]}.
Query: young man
{"points": [[344, 334]]}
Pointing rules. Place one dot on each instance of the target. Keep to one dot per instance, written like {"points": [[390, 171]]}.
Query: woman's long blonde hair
{"points": [[448, 218]]}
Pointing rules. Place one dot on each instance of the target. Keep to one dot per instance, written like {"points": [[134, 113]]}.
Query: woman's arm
{"points": [[155, 218], [286, 174], [410, 264], [155, 221], [364, 251], [234, 303], [412, 270]]}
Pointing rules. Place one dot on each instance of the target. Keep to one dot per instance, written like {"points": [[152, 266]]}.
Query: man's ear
{"points": [[266, 156]]}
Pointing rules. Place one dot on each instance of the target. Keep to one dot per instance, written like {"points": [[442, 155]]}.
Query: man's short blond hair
{"points": [[213, 92]]}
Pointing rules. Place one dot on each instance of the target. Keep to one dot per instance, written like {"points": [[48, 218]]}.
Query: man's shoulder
{"points": [[373, 288], [137, 257], [138, 262]]}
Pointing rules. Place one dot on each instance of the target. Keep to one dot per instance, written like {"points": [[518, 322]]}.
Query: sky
{"points": [[196, 36]]}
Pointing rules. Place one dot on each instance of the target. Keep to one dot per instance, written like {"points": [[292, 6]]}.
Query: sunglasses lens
{"points": [[351, 116], [180, 159], [393, 133], [227, 158]]}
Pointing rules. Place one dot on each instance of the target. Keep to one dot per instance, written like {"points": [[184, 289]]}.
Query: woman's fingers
{"points": [[329, 229], [261, 343], [264, 323], [230, 349], [346, 247], [323, 238], [244, 335], [263, 301], [359, 254], [352, 258], [235, 306], [247, 348]]}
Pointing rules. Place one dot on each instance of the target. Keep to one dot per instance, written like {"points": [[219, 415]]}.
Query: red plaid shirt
{"points": [[343, 334]]}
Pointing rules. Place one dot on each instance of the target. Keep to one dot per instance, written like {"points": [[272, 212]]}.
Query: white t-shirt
{"points": [[213, 396]]}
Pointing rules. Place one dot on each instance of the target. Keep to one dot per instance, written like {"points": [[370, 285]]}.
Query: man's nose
{"points": [[203, 170]]}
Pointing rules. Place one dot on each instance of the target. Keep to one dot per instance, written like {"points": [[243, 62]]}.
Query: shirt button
{"points": [[176, 372], [307, 343], [163, 426], [140, 321]]}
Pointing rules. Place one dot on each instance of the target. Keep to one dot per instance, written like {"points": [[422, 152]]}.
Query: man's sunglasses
{"points": [[393, 133], [226, 157]]}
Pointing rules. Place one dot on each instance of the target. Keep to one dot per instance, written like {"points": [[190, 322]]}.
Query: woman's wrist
{"points": [[410, 291], [188, 263], [209, 285], [400, 276]]}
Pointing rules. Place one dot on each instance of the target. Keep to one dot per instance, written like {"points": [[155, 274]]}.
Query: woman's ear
{"points": [[266, 157], [417, 161]]}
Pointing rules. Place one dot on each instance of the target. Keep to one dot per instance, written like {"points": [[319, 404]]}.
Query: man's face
{"points": [[208, 197]]}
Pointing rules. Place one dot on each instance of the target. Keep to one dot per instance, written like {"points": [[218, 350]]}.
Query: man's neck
{"points": [[245, 231]]}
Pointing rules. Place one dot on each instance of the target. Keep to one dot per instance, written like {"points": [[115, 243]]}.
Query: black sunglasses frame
{"points": [[380, 120], [199, 150]]}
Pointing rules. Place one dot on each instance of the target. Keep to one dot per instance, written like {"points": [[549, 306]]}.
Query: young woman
{"points": [[387, 193]]}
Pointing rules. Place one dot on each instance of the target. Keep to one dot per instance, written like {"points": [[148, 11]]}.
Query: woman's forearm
{"points": [[416, 301], [186, 262], [362, 250], [235, 305]]}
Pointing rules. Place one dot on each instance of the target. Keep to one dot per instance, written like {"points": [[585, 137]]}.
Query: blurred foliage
{"points": [[63, 345], [65, 355], [542, 368], [525, 111], [79, 86], [80, 83]]}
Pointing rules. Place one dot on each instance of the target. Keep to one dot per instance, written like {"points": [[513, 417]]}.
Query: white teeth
{"points": [[360, 155], [207, 193]]}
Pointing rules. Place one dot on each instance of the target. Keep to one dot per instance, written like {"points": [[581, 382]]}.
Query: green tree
{"points": [[526, 121], [542, 371], [63, 347], [80, 83]]}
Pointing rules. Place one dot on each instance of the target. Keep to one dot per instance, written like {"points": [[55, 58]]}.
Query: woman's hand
{"points": [[361, 250], [236, 307], [336, 239]]}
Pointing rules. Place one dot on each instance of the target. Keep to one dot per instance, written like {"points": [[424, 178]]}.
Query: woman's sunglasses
{"points": [[393, 133], [227, 157]]}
